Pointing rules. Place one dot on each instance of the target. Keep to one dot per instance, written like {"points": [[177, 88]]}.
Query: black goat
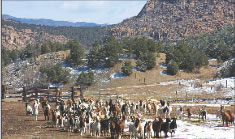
{"points": [[173, 126], [166, 127]]}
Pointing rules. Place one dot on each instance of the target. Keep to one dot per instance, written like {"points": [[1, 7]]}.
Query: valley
{"points": [[174, 61]]}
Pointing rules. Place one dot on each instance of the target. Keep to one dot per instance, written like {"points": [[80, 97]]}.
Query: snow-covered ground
{"points": [[163, 65], [77, 71], [117, 75], [229, 91], [134, 68], [230, 82], [182, 82], [188, 86], [126, 58], [211, 128], [212, 59], [164, 72], [192, 105], [56, 85]]}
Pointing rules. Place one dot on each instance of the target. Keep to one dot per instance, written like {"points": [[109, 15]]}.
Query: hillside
{"points": [[13, 38], [84, 35], [49, 22], [176, 19], [162, 20]]}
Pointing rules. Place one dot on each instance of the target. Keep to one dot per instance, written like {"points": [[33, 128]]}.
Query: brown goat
{"points": [[189, 113], [157, 127], [231, 116], [226, 117]]}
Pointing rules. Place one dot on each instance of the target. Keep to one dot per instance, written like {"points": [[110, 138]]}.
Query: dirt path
{"points": [[15, 123]]}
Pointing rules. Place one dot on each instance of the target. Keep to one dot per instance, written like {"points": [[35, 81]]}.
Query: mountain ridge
{"points": [[172, 20], [13, 38], [50, 22]]}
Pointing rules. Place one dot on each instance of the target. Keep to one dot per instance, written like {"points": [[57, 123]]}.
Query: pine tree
{"points": [[127, 68], [172, 68], [112, 50], [77, 53], [140, 65], [55, 74], [93, 56], [85, 79], [146, 61]]}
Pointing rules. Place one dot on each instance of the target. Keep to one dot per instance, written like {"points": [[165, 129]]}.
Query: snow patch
{"points": [[163, 65], [230, 82], [164, 72], [209, 129], [213, 66], [56, 85], [206, 86], [84, 68], [182, 82], [117, 75], [212, 59]]}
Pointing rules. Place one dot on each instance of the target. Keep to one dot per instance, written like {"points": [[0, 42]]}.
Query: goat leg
{"points": [[158, 134], [166, 135]]}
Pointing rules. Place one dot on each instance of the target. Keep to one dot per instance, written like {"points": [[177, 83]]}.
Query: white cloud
{"points": [[76, 11]]}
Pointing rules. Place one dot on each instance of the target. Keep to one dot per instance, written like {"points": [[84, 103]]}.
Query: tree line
{"points": [[85, 35], [10, 56]]}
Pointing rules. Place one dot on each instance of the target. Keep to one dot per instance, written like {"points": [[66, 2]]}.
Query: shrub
{"points": [[127, 68], [187, 58], [140, 65], [85, 79], [172, 68], [55, 74], [227, 70], [146, 61]]}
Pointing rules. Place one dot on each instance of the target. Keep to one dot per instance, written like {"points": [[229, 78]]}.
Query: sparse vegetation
{"points": [[85, 79], [217, 44], [9, 56], [228, 70], [55, 74]]}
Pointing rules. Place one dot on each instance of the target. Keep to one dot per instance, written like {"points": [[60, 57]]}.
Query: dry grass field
{"points": [[135, 87]]}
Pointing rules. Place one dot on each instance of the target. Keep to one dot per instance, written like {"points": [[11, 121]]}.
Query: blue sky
{"points": [[110, 12]]}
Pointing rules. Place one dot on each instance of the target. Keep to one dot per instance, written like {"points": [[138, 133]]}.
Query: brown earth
{"points": [[134, 86], [15, 123]]}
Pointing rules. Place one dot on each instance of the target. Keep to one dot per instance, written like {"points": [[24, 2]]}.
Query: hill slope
{"points": [[49, 22], [84, 35], [176, 19], [13, 38]]}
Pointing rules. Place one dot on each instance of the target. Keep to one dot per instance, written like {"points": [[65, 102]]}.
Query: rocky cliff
{"points": [[18, 39], [176, 19]]}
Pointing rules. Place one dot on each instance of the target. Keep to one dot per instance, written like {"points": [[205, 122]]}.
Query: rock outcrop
{"points": [[18, 39], [172, 20]]}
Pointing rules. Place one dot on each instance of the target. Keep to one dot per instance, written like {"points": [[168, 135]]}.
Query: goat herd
{"points": [[112, 118]]}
